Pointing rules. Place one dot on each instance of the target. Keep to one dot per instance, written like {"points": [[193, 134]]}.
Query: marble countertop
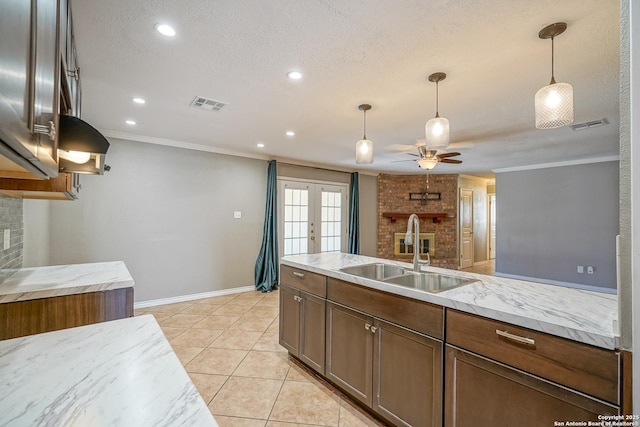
{"points": [[44, 282], [584, 316], [118, 373]]}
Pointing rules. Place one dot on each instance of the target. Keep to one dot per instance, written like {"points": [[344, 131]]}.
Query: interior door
{"points": [[313, 217], [492, 226], [466, 228]]}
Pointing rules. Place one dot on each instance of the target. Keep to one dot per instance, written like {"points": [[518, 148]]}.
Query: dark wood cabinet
{"points": [[480, 392], [302, 326], [350, 351], [394, 371], [407, 376], [22, 318]]}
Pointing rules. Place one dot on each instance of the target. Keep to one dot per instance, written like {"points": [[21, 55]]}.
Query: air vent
{"points": [[209, 104], [589, 125]]}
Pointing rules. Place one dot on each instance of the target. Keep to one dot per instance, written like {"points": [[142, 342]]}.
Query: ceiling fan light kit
{"points": [[554, 102], [437, 129], [364, 147]]}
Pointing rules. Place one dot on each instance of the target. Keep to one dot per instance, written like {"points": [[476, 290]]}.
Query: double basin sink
{"points": [[428, 282]]}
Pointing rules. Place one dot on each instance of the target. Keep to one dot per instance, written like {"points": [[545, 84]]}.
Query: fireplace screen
{"points": [[427, 244]]}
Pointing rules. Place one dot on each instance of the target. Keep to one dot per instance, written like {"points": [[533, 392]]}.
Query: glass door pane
{"points": [[296, 221]]}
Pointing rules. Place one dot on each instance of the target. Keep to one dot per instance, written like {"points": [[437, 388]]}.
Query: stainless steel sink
{"points": [[376, 271], [429, 282]]}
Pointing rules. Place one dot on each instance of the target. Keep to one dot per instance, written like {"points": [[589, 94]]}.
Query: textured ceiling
{"points": [[351, 52]]}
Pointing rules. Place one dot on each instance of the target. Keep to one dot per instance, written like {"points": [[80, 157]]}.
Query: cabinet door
{"points": [[290, 319], [407, 376], [312, 327], [350, 351], [481, 392]]}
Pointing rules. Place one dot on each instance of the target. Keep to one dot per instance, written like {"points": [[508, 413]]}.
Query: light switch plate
{"points": [[7, 238], [580, 269], [237, 214]]}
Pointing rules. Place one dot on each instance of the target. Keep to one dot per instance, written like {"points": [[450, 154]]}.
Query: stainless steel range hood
{"points": [[81, 148]]}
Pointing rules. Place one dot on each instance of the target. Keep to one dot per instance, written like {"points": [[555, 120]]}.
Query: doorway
{"points": [[491, 199], [466, 228], [312, 217]]}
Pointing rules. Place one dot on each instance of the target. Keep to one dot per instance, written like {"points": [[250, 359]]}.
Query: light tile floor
{"points": [[229, 346]]}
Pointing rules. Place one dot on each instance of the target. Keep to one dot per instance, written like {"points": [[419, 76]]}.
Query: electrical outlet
{"points": [[590, 269], [7, 238], [237, 214], [580, 269]]}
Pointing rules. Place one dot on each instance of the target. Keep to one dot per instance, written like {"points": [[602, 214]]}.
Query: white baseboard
{"points": [[191, 297], [559, 283]]}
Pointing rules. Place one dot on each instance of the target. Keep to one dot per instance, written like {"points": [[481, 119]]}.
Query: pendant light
{"points": [[554, 103], [364, 147], [437, 129]]}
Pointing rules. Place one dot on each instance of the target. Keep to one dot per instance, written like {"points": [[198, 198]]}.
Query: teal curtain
{"points": [[353, 246], [266, 270]]}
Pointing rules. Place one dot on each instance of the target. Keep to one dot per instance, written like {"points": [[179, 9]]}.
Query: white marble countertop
{"points": [[44, 282], [584, 316], [118, 373]]}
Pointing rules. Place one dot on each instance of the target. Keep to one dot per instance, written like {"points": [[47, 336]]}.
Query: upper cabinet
{"points": [[29, 88]]}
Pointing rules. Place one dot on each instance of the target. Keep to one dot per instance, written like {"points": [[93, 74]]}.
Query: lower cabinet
{"points": [[30, 317], [480, 392], [302, 326], [393, 370]]}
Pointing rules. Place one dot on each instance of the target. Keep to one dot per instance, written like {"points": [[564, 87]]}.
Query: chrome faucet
{"points": [[414, 223]]}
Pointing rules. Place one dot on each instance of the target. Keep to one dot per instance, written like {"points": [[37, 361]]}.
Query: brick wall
{"points": [[11, 218], [393, 196]]}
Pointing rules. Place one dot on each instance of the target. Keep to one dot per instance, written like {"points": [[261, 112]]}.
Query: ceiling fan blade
{"points": [[411, 154], [454, 161], [445, 155], [407, 160]]}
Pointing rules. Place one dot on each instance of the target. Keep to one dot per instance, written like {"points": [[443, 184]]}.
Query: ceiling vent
{"points": [[589, 125], [209, 104]]}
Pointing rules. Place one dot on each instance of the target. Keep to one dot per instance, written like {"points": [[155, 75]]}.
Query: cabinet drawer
{"points": [[417, 315], [307, 281], [579, 366]]}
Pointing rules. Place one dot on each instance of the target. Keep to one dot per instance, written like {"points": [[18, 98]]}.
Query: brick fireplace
{"points": [[394, 195]]}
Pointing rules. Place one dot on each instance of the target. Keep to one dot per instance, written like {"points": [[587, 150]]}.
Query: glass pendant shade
{"points": [[554, 106], [364, 151], [437, 133], [428, 163]]}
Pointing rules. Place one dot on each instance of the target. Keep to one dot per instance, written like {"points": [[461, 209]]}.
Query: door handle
{"points": [[516, 338], [367, 326], [297, 298], [374, 329], [49, 129]]}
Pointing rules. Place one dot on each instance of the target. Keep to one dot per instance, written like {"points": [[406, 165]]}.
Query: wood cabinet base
{"points": [[22, 318]]}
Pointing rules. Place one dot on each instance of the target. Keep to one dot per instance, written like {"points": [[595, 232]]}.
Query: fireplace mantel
{"points": [[435, 216]]}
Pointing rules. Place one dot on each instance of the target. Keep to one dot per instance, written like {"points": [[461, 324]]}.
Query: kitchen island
{"points": [[44, 299], [492, 351], [118, 373]]}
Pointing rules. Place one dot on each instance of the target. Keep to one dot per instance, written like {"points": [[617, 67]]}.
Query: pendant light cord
{"points": [[437, 98], [553, 79], [364, 126]]}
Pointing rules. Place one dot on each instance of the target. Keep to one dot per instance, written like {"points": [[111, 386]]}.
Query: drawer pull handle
{"points": [[517, 338], [367, 326], [297, 298], [300, 275]]}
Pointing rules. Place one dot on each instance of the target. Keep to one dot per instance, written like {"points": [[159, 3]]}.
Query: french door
{"points": [[312, 217]]}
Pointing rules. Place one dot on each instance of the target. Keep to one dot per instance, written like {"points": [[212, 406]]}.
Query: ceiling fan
{"points": [[428, 159]]}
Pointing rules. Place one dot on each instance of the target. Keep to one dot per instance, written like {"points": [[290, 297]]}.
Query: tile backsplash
{"points": [[11, 218]]}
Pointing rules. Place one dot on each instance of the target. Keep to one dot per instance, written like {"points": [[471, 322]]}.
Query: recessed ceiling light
{"points": [[130, 122], [290, 133], [294, 75], [260, 145], [139, 100], [165, 30]]}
